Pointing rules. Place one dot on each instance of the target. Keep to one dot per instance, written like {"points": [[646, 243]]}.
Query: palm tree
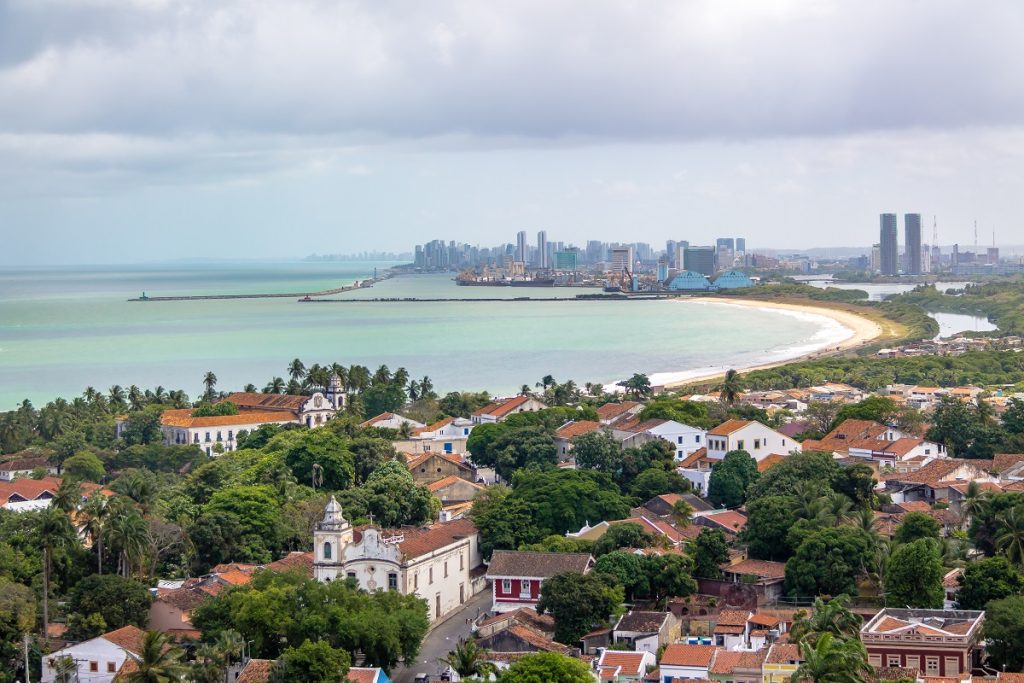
{"points": [[296, 370], [731, 387], [401, 377], [358, 378], [274, 386], [1010, 539], [427, 387], [413, 390], [209, 381], [832, 618], [682, 512], [135, 397], [178, 398], [405, 430], [973, 500], [468, 659], [637, 386], [546, 381], [212, 659], [382, 376], [831, 660], [129, 533], [117, 396], [56, 531], [68, 496], [159, 661], [96, 512], [525, 390]]}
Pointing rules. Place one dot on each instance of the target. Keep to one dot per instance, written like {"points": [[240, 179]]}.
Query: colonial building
{"points": [[935, 642], [685, 661], [517, 577], [426, 468], [434, 562], [98, 659], [746, 435], [875, 442]]}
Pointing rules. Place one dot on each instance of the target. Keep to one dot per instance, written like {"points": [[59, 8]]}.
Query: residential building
{"points": [[433, 562], [737, 667], [569, 431], [645, 631], [98, 659], [880, 443], [454, 489], [767, 577], [934, 481], [685, 661], [392, 421], [750, 436], [521, 249], [889, 244], [912, 243], [684, 438], [619, 666], [610, 412], [426, 468], [781, 662], [935, 642], [622, 259], [27, 495], [518, 577], [498, 410], [16, 467], [542, 250]]}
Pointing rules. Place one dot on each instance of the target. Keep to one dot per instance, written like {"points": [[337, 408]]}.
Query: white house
{"points": [[100, 658], [433, 562], [502, 408], [685, 661], [391, 421], [621, 666], [746, 435]]}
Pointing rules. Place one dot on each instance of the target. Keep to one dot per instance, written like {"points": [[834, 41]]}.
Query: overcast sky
{"points": [[135, 130]]}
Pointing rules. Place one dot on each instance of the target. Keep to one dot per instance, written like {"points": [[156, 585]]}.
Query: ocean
{"points": [[63, 329]]}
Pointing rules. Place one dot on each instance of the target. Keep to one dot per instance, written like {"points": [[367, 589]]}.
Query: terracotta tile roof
{"points": [[294, 561], [764, 620], [573, 429], [639, 427], [725, 661], [235, 578], [28, 489], [250, 400], [513, 563], [889, 624], [127, 638], [728, 427], [729, 629], [952, 578], [422, 541], [537, 639], [383, 417], [640, 621], [688, 655], [183, 418], [692, 458], [960, 629], [256, 671], [415, 461], [24, 464], [934, 473], [362, 675], [128, 667], [729, 519], [185, 599], [733, 617], [892, 673], [631, 663], [234, 566], [436, 486], [783, 653], [502, 408], [983, 486], [1010, 677], [914, 506], [769, 461], [1004, 461], [765, 569], [610, 411], [544, 623]]}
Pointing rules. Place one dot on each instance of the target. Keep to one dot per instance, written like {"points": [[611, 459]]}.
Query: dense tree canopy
{"points": [[914, 575], [578, 602], [991, 578], [828, 562], [730, 478]]}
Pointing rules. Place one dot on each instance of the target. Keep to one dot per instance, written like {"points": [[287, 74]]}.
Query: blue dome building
{"points": [[689, 281], [732, 279]]}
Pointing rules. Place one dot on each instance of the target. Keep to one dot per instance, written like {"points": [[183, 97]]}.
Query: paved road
{"points": [[440, 641]]}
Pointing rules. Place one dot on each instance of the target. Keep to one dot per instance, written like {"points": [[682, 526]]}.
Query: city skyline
{"points": [[364, 127]]}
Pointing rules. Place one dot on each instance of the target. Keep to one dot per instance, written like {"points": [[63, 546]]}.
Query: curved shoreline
{"points": [[861, 331]]}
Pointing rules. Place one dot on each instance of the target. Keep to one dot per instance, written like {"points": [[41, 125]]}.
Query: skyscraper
{"points": [[700, 260], [670, 252], [912, 242], [542, 249], [889, 248], [521, 246], [741, 245]]}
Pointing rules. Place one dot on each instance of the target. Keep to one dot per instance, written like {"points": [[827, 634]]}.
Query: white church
{"points": [[434, 562]]}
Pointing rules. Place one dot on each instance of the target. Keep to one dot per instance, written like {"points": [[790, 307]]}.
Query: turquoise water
{"points": [[62, 329]]}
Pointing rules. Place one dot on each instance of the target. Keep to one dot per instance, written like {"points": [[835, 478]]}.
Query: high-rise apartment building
{"points": [[889, 245], [622, 259], [741, 245], [670, 252], [542, 250], [912, 242], [521, 250]]}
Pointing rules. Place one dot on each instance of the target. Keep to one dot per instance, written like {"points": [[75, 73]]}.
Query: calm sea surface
{"points": [[62, 329]]}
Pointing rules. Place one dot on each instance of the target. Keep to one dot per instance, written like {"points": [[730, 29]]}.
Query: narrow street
{"points": [[440, 641]]}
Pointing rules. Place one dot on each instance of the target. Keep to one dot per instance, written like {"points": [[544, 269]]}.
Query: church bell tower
{"points": [[330, 537]]}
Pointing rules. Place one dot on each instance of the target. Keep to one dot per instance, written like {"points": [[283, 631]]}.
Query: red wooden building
{"points": [[516, 577]]}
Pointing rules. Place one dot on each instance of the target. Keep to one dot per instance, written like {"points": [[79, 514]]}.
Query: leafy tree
{"points": [[819, 470], [564, 500], [730, 478], [1004, 633], [546, 667], [521, 447], [988, 522], [117, 600], [215, 536], [1013, 416], [159, 661], [690, 413], [627, 535], [322, 448], [480, 442], [916, 525], [463, 404], [638, 386], [395, 499], [54, 532], [828, 562], [670, 575], [656, 481], [991, 578], [766, 533], [913, 577], [963, 428], [504, 522], [655, 454], [316, 661], [874, 408], [710, 551], [256, 515], [578, 602], [383, 398], [84, 466], [17, 617], [627, 570], [833, 617], [597, 450], [833, 661], [369, 453], [215, 409], [856, 482], [143, 426], [468, 659]]}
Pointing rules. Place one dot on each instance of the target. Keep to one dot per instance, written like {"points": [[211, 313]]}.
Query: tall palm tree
{"points": [[56, 531], [209, 381], [274, 386], [972, 503], [546, 381], [525, 390], [831, 660], [158, 662], [468, 659], [178, 398], [296, 369], [401, 377], [135, 397], [117, 396], [638, 386], [682, 512], [427, 387], [128, 532], [1010, 539], [358, 378], [832, 618], [731, 387], [382, 376], [96, 513], [68, 496], [250, 388], [413, 390]]}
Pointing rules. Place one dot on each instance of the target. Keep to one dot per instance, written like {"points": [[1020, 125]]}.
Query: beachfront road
{"points": [[441, 640]]}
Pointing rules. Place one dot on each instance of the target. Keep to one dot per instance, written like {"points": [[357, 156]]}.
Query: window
{"points": [[757, 444], [739, 445], [231, 435], [111, 668], [913, 661], [524, 588], [392, 581], [783, 442], [462, 562], [207, 436], [892, 660], [952, 666], [446, 569], [94, 666], [431, 576], [196, 438], [696, 438], [931, 665], [875, 660], [416, 581], [679, 440], [218, 437], [506, 586], [351, 575], [327, 551]]}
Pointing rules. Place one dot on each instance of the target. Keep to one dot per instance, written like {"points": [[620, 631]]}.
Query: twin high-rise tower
{"points": [[889, 250]]}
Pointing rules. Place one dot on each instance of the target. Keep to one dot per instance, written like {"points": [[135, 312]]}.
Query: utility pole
{"points": [[28, 675]]}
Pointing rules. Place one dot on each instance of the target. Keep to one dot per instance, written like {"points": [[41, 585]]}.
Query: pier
{"points": [[301, 296]]}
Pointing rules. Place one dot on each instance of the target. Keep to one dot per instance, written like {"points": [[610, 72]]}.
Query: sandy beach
{"points": [[860, 331]]}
